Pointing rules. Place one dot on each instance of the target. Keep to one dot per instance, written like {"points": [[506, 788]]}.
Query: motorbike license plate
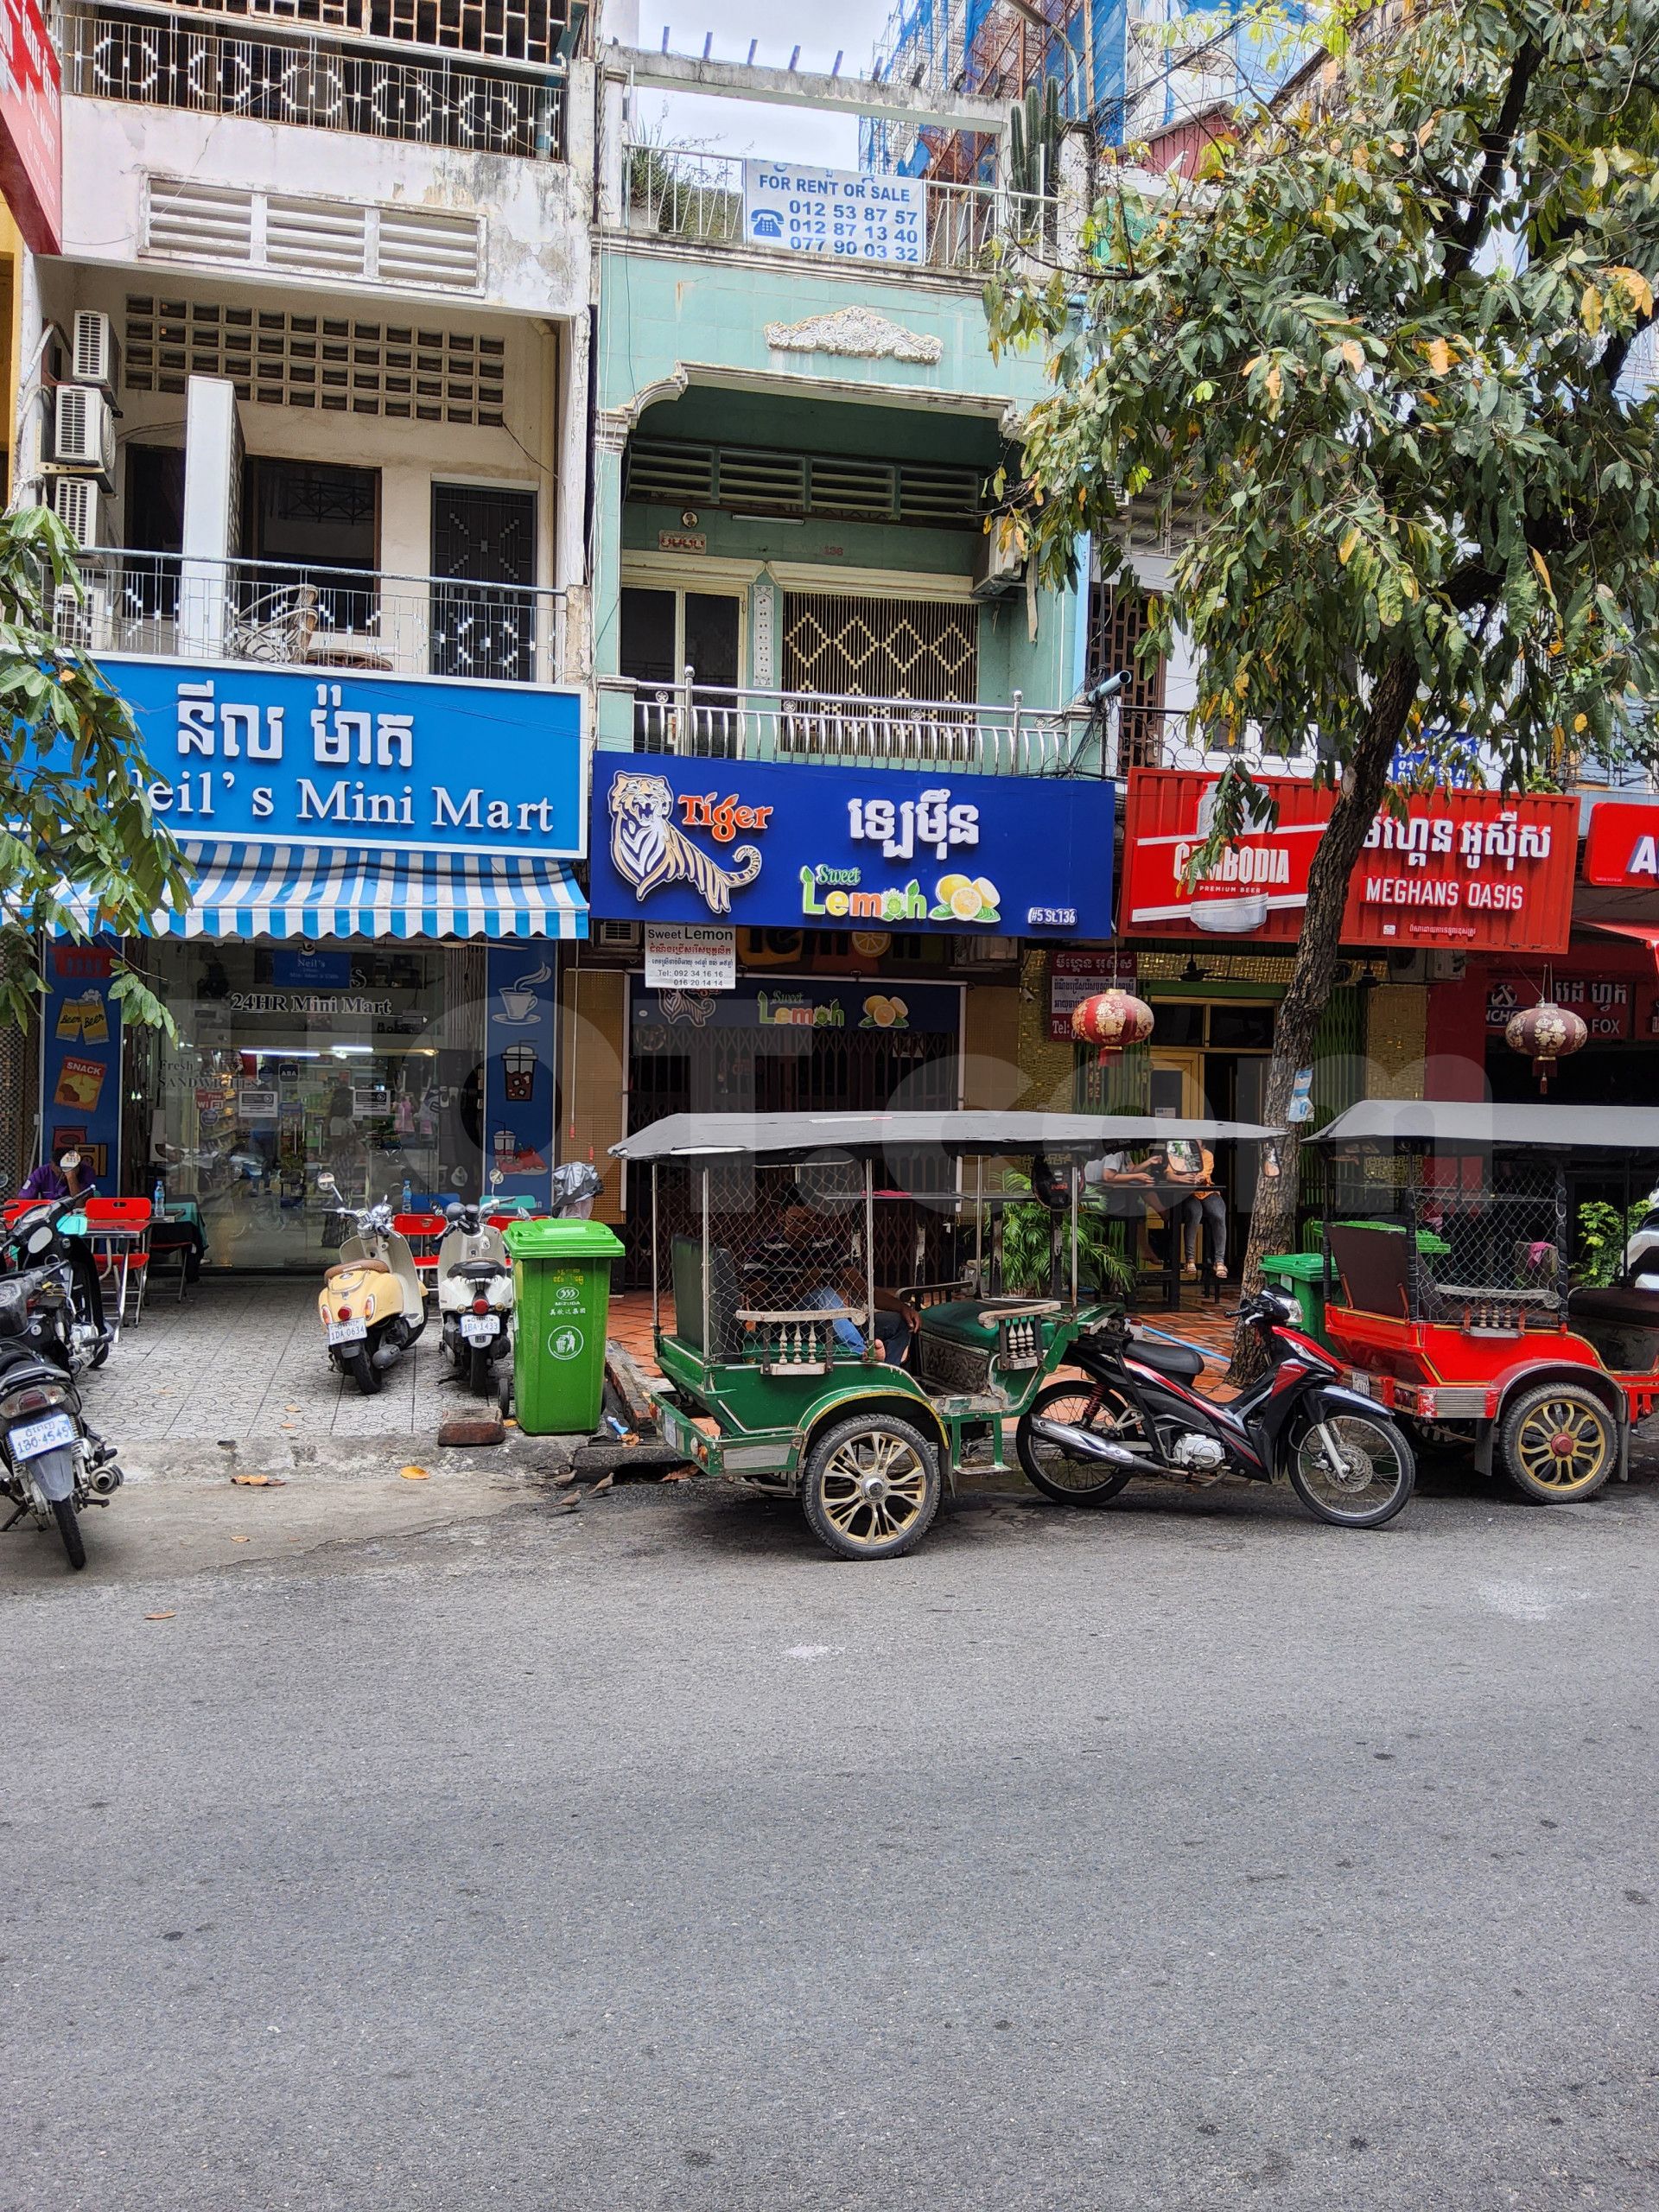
{"points": [[37, 1436], [347, 1332], [479, 1328]]}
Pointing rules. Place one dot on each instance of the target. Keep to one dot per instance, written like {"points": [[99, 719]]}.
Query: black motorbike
{"points": [[51, 1465], [1136, 1413], [65, 1321]]}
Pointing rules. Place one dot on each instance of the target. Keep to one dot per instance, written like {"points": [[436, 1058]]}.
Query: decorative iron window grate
{"points": [[505, 30], [1117, 622], [836, 646], [165, 61], [335, 364], [678, 474]]}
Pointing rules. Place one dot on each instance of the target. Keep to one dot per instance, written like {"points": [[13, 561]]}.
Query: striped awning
{"points": [[242, 889]]}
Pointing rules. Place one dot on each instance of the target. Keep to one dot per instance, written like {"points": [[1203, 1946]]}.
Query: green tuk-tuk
{"points": [[768, 1320]]}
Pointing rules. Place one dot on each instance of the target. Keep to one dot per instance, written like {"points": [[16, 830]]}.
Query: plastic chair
{"points": [[423, 1233], [131, 1217]]}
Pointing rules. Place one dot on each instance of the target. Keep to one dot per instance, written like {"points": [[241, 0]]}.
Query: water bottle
{"points": [[409, 1196], [158, 1200]]}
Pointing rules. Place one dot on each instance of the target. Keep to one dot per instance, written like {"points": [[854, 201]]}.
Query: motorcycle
{"points": [[1137, 1413], [1641, 1252], [66, 1321], [51, 1464], [475, 1298], [372, 1303]]}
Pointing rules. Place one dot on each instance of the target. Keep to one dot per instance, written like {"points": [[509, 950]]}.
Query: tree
{"points": [[77, 837], [1374, 359]]}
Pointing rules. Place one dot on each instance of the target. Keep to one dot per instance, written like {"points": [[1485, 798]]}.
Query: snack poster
{"points": [[80, 1074]]}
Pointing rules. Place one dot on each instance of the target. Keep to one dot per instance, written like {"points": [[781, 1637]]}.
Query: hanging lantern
{"points": [[1549, 1032], [1110, 1020]]}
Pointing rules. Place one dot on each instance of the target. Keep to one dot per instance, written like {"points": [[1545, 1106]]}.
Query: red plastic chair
{"points": [[424, 1233], [125, 1258]]}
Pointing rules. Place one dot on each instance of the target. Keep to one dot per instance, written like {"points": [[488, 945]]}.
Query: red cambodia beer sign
{"points": [[31, 131], [1621, 847], [1465, 870]]}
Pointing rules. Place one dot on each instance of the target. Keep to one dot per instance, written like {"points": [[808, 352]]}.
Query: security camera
{"points": [[1109, 687]]}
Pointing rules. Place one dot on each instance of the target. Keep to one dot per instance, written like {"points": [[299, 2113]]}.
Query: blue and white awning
{"points": [[241, 889]]}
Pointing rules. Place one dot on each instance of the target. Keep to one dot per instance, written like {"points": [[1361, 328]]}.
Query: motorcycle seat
{"points": [[1179, 1361], [480, 1270], [357, 1268]]}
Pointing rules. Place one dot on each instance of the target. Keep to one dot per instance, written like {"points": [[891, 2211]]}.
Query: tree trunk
{"points": [[1273, 1225]]}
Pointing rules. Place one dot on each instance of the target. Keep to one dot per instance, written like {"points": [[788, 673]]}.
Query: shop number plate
{"points": [[347, 1332], [38, 1436], [479, 1328]]}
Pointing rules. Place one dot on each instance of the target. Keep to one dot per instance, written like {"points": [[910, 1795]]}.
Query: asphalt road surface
{"points": [[1182, 1855]]}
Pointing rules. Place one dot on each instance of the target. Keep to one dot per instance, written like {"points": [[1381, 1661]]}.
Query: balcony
{"points": [[458, 75], [677, 194], [718, 724], [164, 606]]}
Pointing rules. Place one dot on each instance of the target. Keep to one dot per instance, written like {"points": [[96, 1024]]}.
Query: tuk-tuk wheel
{"points": [[871, 1488], [1557, 1443]]}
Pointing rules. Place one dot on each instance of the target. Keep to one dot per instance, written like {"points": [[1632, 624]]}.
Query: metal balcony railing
{"points": [[167, 607], [725, 723], [375, 88], [674, 192]]}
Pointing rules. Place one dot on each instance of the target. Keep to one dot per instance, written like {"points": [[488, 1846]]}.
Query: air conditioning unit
{"points": [[97, 350], [616, 937], [83, 431], [1000, 558], [984, 951], [79, 506]]}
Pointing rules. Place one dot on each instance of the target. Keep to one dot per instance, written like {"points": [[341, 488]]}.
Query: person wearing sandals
{"points": [[1190, 1168]]}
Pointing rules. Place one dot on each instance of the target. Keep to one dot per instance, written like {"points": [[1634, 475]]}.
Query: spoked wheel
{"points": [[872, 1488], [1374, 1481], [1559, 1444], [1075, 1480], [68, 1521]]}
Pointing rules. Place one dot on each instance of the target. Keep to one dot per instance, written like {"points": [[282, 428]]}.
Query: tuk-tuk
{"points": [[768, 1318], [1449, 1232]]}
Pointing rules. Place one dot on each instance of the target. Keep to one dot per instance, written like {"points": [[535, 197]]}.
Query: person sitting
{"points": [[1190, 1168], [892, 1324], [1130, 1189], [64, 1179]]}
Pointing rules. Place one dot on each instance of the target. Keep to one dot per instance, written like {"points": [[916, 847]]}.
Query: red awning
{"points": [[1644, 933]]}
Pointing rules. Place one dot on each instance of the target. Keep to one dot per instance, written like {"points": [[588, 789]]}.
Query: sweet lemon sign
{"points": [[772, 846]]}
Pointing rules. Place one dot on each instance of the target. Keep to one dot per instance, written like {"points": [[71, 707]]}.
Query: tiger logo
{"points": [[648, 847]]}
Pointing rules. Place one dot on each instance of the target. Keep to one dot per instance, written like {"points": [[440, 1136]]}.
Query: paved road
{"points": [[1185, 1856]]}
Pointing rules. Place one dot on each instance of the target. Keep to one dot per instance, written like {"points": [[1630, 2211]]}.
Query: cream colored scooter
{"points": [[372, 1305]]}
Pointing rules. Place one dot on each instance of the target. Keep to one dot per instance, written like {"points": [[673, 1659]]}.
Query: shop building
{"points": [[314, 400], [839, 725]]}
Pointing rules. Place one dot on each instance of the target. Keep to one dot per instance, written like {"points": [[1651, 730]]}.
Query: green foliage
{"points": [[1603, 1232], [75, 818], [1027, 1243], [1373, 362], [1035, 130]]}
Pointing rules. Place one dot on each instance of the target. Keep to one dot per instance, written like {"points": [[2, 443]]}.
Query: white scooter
{"points": [[475, 1300], [372, 1305]]}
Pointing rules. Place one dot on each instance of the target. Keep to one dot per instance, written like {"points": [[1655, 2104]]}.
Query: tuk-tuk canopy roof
{"points": [[1452, 1124], [690, 1136]]}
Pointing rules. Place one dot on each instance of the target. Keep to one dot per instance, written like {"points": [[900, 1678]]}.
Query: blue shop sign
{"points": [[831, 848], [329, 758]]}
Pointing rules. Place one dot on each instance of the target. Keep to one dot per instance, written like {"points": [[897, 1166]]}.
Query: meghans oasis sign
{"points": [[330, 759], [1464, 870], [835, 849]]}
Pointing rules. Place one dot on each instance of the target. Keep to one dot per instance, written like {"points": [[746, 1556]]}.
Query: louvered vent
{"points": [[338, 239], [212, 222], [769, 481], [334, 363]]}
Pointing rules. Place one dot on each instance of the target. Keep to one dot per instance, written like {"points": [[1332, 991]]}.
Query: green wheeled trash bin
{"points": [[561, 1297], [1302, 1274]]}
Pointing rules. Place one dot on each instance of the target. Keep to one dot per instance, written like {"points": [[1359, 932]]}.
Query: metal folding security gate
{"points": [[837, 645]]}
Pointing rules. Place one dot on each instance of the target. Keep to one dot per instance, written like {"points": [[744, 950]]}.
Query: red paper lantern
{"points": [[1110, 1020], [1549, 1032]]}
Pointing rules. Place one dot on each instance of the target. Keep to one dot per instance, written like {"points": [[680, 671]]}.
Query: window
{"points": [[313, 515], [663, 634]]}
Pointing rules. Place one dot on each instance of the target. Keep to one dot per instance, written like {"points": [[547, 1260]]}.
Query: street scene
{"points": [[830, 1106]]}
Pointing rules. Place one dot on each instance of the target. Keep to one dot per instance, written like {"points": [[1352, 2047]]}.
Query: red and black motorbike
{"points": [[1138, 1413]]}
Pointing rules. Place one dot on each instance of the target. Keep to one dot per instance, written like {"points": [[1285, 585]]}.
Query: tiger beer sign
{"points": [[1460, 870], [769, 845]]}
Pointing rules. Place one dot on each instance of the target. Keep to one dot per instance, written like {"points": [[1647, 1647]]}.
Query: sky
{"points": [[741, 126]]}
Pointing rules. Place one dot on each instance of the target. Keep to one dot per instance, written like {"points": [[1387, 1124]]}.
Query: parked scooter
{"points": [[65, 1321], [372, 1303], [51, 1465], [475, 1298], [1642, 1253]]}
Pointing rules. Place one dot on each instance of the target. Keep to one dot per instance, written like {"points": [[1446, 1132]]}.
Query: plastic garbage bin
{"points": [[562, 1295], [1302, 1274]]}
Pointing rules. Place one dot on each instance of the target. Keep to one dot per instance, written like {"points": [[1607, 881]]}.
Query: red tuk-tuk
{"points": [[1450, 1232]]}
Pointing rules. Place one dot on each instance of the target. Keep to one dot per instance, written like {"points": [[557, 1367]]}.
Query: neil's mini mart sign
{"points": [[1463, 870]]}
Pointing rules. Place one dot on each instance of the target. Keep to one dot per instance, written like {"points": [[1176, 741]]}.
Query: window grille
{"points": [[505, 30], [1117, 622], [836, 646], [335, 364]]}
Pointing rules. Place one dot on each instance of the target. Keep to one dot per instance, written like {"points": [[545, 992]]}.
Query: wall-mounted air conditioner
{"points": [[79, 506], [1000, 558], [83, 431], [97, 350], [616, 937]]}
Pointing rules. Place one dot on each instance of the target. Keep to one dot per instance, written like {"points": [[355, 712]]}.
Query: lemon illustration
{"points": [[987, 890], [965, 903], [901, 1011], [945, 890]]}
